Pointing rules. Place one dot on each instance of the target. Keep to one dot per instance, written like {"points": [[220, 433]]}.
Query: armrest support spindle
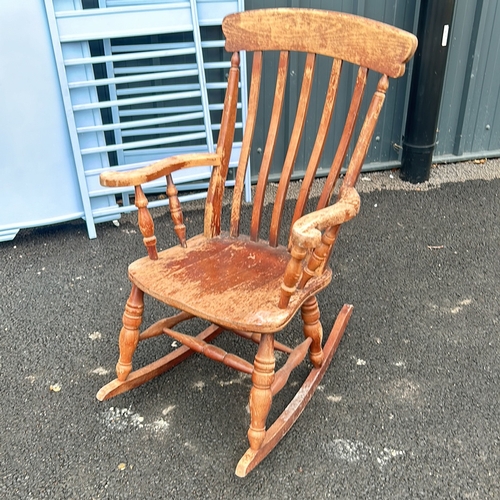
{"points": [[292, 275], [176, 211], [315, 232], [319, 255], [146, 224]]}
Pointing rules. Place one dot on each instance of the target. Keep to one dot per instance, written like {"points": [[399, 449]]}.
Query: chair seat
{"points": [[232, 282]]}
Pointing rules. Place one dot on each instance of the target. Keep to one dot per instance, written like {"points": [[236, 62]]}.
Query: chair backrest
{"points": [[368, 44]]}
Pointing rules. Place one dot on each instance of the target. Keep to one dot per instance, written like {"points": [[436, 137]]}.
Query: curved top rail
{"points": [[352, 38]]}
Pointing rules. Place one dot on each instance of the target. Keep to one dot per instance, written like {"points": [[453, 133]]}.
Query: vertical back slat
{"points": [[253, 104], [298, 128], [279, 97], [319, 144], [361, 148], [213, 205], [365, 136], [345, 140]]}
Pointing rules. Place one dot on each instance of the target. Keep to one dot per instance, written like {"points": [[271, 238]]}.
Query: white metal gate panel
{"points": [[139, 83]]}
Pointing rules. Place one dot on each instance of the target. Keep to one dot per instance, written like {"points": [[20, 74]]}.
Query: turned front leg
{"points": [[260, 394], [129, 334], [313, 330]]}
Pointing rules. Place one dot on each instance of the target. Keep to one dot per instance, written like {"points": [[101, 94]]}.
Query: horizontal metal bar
{"points": [[140, 123], [158, 88], [154, 69], [175, 109], [138, 47], [153, 203], [211, 44], [169, 88], [136, 100], [133, 56], [209, 16], [124, 3], [100, 212], [143, 144], [150, 76], [160, 111], [94, 24], [163, 130], [217, 65], [169, 130]]}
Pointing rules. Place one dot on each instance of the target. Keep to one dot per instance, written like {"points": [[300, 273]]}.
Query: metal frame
{"points": [[157, 93]]}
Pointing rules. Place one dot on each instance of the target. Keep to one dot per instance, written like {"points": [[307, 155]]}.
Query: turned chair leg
{"points": [[129, 334], [313, 330], [260, 394]]}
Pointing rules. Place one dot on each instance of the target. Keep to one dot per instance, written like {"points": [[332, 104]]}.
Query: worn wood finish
{"points": [[296, 357], [213, 206], [361, 41], [176, 211], [292, 412], [221, 271], [156, 329], [149, 372], [267, 157], [319, 144], [129, 334], [253, 104], [210, 351], [255, 337], [146, 224], [261, 395], [365, 136], [158, 169], [240, 283], [293, 149], [345, 140], [313, 330]]}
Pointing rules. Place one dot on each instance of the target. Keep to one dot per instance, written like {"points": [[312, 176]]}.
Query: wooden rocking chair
{"points": [[206, 276]]}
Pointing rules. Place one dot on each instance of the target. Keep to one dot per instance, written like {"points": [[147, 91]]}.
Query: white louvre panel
{"points": [[139, 19], [141, 81]]}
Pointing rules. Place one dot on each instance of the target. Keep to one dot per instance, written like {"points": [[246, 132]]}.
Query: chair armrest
{"points": [[158, 169], [315, 231], [307, 231]]}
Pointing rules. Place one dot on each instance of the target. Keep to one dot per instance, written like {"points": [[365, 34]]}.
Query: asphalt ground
{"points": [[409, 407]]}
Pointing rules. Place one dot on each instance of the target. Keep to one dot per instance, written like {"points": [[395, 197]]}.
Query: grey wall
{"points": [[469, 124]]}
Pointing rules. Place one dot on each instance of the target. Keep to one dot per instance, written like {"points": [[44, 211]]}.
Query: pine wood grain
{"points": [[244, 284]]}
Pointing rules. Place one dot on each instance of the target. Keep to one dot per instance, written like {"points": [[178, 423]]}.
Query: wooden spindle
{"points": [[176, 211], [345, 139], [319, 143], [260, 395], [319, 254], [283, 374], [146, 224], [255, 338], [129, 334], [156, 329], [292, 275], [365, 136], [313, 330], [215, 193], [265, 166], [293, 148], [210, 351], [253, 104]]}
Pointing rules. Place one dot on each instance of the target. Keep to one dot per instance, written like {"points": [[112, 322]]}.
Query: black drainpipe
{"points": [[433, 32]]}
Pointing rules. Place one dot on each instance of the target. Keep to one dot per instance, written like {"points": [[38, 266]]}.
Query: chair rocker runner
{"points": [[206, 276]]}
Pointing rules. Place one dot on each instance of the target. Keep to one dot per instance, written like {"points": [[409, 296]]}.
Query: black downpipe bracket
{"points": [[433, 32]]}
